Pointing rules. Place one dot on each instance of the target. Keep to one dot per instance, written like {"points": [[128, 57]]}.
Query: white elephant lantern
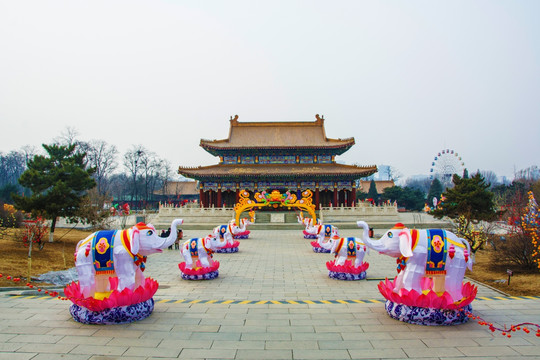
{"points": [[310, 230], [110, 263], [428, 289], [226, 233], [328, 232], [197, 253], [349, 257], [243, 233]]}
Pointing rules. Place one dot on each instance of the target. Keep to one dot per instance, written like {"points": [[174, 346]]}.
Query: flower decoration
{"points": [[428, 298], [348, 267], [117, 298]]}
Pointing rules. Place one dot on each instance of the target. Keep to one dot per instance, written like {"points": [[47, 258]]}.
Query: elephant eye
{"points": [[149, 233], [390, 235]]}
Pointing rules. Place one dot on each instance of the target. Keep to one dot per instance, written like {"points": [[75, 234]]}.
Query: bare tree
{"points": [[67, 137], [490, 177], [393, 173], [149, 165], [165, 174], [102, 157], [29, 152], [12, 165], [532, 173], [422, 184], [133, 159], [119, 186]]}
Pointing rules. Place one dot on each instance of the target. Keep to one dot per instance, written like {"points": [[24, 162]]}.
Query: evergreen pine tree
{"points": [[372, 192], [435, 191], [58, 183], [469, 199]]}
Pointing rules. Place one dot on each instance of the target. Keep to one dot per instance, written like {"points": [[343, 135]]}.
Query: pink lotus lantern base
{"points": [[229, 248], [199, 272], [309, 235], [242, 235], [347, 271], [318, 248], [428, 307], [119, 307]]}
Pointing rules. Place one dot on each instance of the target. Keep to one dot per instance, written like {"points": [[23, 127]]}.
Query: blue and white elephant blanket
{"points": [[436, 252], [102, 251]]}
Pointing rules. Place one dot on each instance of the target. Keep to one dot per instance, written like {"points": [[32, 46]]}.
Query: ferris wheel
{"points": [[445, 164]]}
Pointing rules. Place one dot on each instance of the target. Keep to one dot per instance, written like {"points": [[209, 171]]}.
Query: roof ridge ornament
{"points": [[235, 118], [319, 118]]}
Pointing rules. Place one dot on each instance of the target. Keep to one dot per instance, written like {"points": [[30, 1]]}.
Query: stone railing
{"points": [[193, 214], [362, 210]]}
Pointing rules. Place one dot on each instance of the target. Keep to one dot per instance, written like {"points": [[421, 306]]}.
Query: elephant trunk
{"points": [[169, 241], [375, 245]]}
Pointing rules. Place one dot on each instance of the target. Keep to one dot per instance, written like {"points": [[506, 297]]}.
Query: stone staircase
{"points": [[378, 217]]}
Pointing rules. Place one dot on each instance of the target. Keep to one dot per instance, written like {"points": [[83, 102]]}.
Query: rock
{"points": [[62, 278]]}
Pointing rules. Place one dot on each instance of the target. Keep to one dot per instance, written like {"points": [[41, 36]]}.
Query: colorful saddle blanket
{"points": [[351, 247], [436, 253], [193, 250], [222, 230], [327, 230], [102, 250], [350, 243]]}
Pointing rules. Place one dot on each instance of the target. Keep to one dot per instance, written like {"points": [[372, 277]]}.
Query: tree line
{"points": [[134, 177]]}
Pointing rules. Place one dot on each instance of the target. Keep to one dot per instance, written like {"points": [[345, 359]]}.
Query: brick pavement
{"points": [[233, 317]]}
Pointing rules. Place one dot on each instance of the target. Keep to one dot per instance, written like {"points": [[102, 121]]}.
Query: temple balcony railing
{"points": [[193, 214]]}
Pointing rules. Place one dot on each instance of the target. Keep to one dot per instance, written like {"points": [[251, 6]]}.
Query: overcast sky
{"points": [[406, 79]]}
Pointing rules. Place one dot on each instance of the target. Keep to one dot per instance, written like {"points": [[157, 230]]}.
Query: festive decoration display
{"points": [[112, 288], [349, 253], [232, 231], [428, 289], [530, 222], [226, 234], [327, 231], [309, 232], [34, 232], [120, 210], [506, 330], [119, 307], [275, 199], [244, 232], [199, 251]]}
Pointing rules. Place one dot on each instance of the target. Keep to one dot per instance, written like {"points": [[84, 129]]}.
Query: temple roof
{"points": [[277, 135], [300, 172], [379, 184], [179, 188]]}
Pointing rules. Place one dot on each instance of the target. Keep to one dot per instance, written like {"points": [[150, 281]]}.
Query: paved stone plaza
{"points": [[272, 300]]}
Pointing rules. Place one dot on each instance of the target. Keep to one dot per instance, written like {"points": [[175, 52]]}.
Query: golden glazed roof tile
{"points": [[279, 134], [276, 170]]}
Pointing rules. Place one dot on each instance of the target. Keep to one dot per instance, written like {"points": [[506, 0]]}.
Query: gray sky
{"points": [[405, 78]]}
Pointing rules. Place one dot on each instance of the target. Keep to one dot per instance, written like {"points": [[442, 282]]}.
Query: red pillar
{"points": [[237, 196], [317, 202], [201, 196], [353, 196], [219, 197], [334, 202]]}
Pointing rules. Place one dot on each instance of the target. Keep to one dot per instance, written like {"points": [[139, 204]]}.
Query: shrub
{"points": [[10, 217], [515, 249], [34, 231]]}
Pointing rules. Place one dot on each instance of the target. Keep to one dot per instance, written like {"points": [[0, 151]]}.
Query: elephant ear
{"points": [[405, 243], [135, 240]]}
